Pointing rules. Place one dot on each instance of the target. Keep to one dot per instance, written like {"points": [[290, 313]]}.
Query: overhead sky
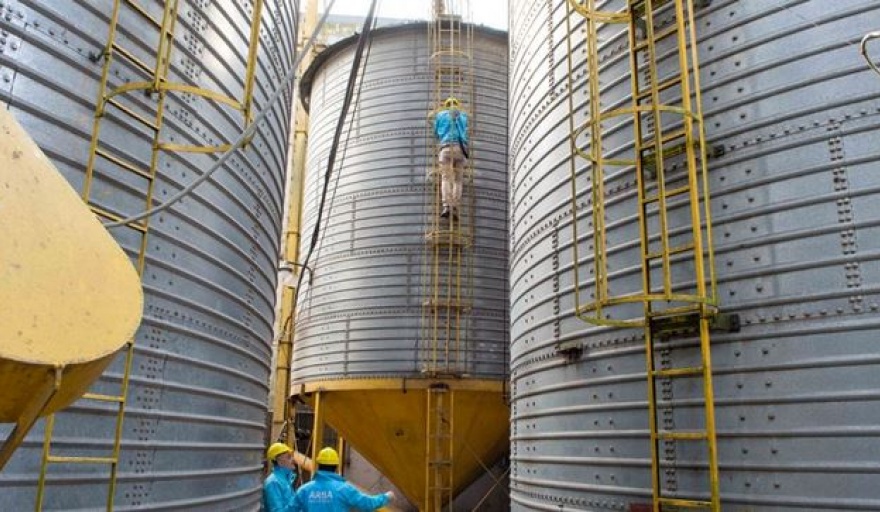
{"points": [[492, 13]]}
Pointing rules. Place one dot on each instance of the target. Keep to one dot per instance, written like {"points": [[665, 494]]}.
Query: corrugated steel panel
{"points": [[791, 111], [195, 422], [362, 314]]}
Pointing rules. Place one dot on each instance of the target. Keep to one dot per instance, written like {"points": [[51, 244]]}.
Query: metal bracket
{"points": [[684, 325], [572, 350], [725, 322], [717, 151]]}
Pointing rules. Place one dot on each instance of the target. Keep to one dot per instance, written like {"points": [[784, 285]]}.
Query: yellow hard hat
{"points": [[451, 102], [277, 449], [328, 457]]}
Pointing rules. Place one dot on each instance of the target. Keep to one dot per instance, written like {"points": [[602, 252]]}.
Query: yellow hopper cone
{"points": [[69, 295]]}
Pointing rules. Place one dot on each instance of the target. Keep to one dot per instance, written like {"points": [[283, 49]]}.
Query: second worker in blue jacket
{"points": [[278, 495], [329, 492]]}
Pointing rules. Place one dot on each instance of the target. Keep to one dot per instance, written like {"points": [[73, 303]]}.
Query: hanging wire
{"points": [[351, 121], [366, 35]]}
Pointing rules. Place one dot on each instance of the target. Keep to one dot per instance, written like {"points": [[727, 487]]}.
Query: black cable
{"points": [[357, 102], [331, 160]]}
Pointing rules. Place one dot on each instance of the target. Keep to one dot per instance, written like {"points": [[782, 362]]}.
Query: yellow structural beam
{"points": [[385, 421], [282, 420], [71, 297]]}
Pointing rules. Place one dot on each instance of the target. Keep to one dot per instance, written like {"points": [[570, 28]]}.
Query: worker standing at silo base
{"points": [[278, 495], [451, 130], [329, 492]]}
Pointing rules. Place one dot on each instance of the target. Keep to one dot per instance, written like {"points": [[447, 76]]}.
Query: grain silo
{"points": [[177, 81], [790, 117], [362, 344]]}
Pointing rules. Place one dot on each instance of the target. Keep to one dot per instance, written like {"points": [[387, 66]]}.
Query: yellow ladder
{"points": [[439, 447], [669, 161], [668, 133], [448, 277], [106, 160], [447, 280]]}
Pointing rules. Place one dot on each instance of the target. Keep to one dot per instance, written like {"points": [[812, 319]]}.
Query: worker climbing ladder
{"points": [[678, 292], [447, 281], [143, 104], [448, 240]]}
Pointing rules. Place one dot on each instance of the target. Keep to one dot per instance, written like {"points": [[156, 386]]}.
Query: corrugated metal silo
{"points": [[792, 120], [359, 333], [195, 419]]}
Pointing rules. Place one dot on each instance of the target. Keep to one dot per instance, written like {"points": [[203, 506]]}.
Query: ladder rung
{"points": [[679, 372], [666, 32], [143, 12], [677, 502], [81, 460], [134, 115], [125, 164], [669, 193], [683, 436], [662, 86], [638, 6], [451, 304], [666, 139], [104, 398], [689, 308], [447, 237], [116, 218], [133, 59], [679, 249]]}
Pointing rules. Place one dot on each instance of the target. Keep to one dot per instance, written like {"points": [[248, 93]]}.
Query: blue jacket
{"points": [[278, 495], [329, 492], [451, 127]]}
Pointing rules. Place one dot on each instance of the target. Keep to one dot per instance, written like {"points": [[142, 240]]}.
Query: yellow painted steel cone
{"points": [[69, 295]]}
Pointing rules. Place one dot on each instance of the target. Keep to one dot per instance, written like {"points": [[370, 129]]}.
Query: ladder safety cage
{"points": [[668, 152], [447, 280], [118, 101], [667, 155]]}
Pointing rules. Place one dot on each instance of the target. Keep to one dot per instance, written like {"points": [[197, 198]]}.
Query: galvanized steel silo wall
{"points": [[195, 418], [361, 314], [792, 116]]}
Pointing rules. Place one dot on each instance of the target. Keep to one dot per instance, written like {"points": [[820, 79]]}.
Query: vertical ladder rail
{"points": [[251, 67], [594, 311]]}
